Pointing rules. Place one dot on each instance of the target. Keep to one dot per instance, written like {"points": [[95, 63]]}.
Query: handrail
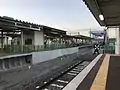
{"points": [[11, 49]]}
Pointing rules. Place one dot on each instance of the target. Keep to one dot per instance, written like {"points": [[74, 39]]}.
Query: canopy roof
{"points": [[110, 9], [10, 24]]}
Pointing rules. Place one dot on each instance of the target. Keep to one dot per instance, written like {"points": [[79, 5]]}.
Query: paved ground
{"points": [[105, 75], [88, 81], [14, 77], [113, 77]]}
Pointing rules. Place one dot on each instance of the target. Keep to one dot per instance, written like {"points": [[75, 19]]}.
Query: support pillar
{"points": [[117, 49], [76, 40], [82, 41], [2, 40], [9, 62], [38, 38], [20, 61], [3, 64], [22, 41], [7, 41]]}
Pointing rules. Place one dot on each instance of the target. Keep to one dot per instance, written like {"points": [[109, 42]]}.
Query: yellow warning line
{"points": [[101, 77]]}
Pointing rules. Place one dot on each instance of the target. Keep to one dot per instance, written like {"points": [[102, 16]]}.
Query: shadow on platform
{"points": [[113, 77]]}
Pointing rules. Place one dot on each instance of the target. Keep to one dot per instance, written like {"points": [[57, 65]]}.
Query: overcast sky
{"points": [[62, 14]]}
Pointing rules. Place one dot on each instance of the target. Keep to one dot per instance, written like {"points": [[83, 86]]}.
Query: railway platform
{"points": [[101, 74]]}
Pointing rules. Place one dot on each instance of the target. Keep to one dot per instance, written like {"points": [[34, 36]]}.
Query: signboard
{"points": [[98, 33]]}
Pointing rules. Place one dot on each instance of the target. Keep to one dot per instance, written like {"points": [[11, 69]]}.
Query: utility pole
{"points": [[105, 40], [90, 33], [90, 36]]}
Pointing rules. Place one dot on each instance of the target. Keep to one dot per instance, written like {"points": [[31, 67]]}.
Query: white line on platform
{"points": [[80, 77]]}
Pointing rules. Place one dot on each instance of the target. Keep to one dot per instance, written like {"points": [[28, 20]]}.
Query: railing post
{"points": [[22, 40]]}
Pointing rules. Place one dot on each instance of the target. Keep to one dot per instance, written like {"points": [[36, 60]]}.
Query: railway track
{"points": [[56, 79], [62, 80]]}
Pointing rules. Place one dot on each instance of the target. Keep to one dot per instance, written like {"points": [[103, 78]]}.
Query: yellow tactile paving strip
{"points": [[99, 82]]}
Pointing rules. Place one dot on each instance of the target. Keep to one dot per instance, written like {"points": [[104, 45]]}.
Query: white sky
{"points": [[70, 15]]}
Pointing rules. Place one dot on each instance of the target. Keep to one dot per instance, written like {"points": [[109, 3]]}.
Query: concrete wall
{"points": [[38, 57], [19, 60]]}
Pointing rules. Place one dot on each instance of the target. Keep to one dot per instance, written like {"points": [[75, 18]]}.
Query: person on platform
{"points": [[96, 48]]}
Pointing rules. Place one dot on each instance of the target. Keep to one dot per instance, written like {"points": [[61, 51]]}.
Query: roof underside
{"points": [[110, 9]]}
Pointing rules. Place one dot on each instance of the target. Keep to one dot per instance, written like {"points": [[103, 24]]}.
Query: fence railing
{"points": [[110, 49], [34, 48]]}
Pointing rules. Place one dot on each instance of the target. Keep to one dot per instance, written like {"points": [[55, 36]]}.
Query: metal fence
{"points": [[110, 48], [12, 49]]}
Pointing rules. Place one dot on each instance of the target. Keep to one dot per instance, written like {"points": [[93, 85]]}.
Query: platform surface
{"points": [[105, 75]]}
